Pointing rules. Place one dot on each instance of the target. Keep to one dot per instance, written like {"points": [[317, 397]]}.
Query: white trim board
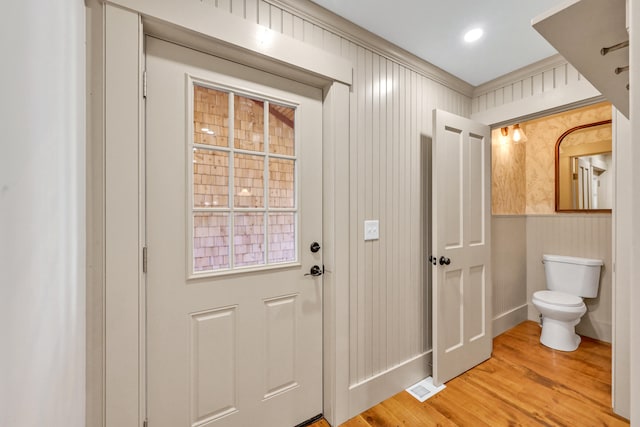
{"points": [[241, 40], [507, 320]]}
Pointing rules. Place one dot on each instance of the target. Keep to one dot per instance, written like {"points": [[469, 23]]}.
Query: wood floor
{"points": [[523, 384]]}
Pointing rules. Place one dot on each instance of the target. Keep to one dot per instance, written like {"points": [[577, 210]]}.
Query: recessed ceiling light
{"points": [[473, 35]]}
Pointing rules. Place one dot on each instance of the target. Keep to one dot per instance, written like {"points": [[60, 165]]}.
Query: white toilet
{"points": [[569, 279]]}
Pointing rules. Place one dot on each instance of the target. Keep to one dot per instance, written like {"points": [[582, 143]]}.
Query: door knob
{"points": [[444, 261], [315, 247], [432, 259], [315, 271]]}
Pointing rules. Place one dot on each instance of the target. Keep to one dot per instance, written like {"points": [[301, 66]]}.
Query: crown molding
{"points": [[520, 74], [352, 32]]}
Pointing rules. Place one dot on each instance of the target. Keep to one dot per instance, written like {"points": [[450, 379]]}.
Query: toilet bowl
{"points": [[561, 313], [561, 305]]}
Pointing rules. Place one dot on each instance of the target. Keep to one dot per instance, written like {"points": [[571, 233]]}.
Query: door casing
{"points": [[116, 372]]}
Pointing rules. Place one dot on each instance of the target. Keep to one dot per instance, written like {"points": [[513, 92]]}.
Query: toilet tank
{"points": [[572, 275]]}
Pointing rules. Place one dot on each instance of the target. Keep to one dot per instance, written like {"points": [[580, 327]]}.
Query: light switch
{"points": [[371, 230]]}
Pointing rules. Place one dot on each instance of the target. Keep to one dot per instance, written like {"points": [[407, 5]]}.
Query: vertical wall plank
{"points": [[317, 36], [287, 24], [238, 8], [264, 13], [499, 96], [275, 22], [298, 28], [224, 5], [548, 81], [367, 192], [251, 10], [508, 94], [388, 208]]}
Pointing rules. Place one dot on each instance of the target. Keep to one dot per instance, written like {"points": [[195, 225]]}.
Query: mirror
{"points": [[584, 169]]}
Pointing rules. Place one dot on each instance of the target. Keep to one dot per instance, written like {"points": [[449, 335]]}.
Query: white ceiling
{"points": [[433, 30]]}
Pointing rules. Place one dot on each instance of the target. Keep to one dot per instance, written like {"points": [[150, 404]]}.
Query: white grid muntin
{"points": [[191, 82]]}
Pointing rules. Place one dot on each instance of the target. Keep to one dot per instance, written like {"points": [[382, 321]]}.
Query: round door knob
{"points": [[315, 247], [444, 261]]}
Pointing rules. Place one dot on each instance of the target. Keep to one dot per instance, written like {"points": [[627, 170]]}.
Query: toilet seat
{"points": [[558, 298]]}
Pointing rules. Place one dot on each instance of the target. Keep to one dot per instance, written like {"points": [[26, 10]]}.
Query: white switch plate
{"points": [[372, 230]]}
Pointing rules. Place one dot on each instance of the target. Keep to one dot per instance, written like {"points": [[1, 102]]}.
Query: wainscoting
{"points": [[508, 254]]}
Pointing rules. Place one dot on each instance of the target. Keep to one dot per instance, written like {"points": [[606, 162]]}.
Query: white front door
{"points": [[234, 203], [461, 245]]}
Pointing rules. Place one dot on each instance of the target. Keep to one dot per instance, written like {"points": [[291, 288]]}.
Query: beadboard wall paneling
{"points": [[390, 116], [391, 113], [550, 85], [582, 235], [509, 266], [551, 75]]}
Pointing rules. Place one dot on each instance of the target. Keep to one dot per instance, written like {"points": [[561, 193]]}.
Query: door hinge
{"points": [[145, 423], [144, 259], [144, 84]]}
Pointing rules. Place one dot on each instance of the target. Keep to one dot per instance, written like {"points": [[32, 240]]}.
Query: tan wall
{"points": [[542, 136], [523, 175], [508, 170]]}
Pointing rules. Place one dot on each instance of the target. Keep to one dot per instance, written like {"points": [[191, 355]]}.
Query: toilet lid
{"points": [[558, 298]]}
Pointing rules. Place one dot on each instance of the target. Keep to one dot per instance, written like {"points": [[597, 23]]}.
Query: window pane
{"points": [[281, 126], [248, 239], [210, 178], [281, 183], [248, 131], [210, 117], [248, 181], [210, 241], [282, 237]]}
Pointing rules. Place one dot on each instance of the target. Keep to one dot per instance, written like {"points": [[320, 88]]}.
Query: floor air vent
{"points": [[424, 389]]}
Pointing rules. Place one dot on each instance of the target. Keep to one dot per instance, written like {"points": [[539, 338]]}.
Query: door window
{"points": [[243, 198]]}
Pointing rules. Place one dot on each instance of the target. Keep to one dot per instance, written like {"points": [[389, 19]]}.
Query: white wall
{"points": [[42, 287]]}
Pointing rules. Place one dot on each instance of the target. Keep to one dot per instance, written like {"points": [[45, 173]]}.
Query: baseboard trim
{"points": [[372, 391], [597, 330], [507, 320]]}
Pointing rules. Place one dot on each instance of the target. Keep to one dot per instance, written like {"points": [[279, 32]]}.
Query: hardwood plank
{"points": [[523, 384]]}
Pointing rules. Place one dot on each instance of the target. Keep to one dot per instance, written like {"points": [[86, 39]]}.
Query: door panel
{"points": [[233, 164], [461, 245]]}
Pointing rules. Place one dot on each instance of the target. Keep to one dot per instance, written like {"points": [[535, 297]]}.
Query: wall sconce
{"points": [[518, 134], [504, 135]]}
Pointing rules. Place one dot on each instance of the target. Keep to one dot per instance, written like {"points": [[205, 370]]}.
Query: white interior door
{"points": [[461, 245], [234, 201]]}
